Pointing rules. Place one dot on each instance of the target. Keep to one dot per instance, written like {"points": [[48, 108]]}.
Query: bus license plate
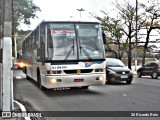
{"points": [[78, 80]]}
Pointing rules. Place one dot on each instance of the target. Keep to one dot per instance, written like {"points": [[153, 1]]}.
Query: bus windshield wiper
{"points": [[85, 52], [69, 52]]}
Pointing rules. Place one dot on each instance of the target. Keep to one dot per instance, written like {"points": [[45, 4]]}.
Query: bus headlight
{"points": [[101, 78], [53, 80]]}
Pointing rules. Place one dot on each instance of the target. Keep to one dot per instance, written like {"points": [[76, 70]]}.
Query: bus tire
{"points": [[39, 81], [84, 87], [27, 77]]}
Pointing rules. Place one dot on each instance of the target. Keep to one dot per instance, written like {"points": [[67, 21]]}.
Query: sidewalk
{"points": [[134, 71]]}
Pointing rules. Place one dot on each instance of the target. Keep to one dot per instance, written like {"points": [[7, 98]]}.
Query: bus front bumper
{"points": [[74, 80]]}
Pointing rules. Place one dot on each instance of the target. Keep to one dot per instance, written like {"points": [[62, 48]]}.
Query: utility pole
{"points": [[136, 34], [7, 86], [1, 36]]}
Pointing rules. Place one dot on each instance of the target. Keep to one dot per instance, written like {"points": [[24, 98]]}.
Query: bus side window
{"points": [[50, 46], [104, 38]]}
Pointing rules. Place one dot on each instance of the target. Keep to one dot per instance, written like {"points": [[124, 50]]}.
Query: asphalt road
{"points": [[142, 95]]}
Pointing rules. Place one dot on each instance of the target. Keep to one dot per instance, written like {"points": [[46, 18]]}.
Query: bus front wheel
{"points": [[39, 81], [84, 87]]}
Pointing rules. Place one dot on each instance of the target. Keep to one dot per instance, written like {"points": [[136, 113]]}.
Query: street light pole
{"points": [[80, 10]]}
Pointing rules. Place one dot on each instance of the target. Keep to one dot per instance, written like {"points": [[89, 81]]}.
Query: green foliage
{"points": [[23, 10], [151, 11], [113, 28]]}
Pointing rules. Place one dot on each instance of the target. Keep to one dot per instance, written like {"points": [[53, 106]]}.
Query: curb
{"points": [[22, 108]]}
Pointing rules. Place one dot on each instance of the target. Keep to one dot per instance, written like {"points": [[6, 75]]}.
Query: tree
{"points": [[114, 33], [151, 23], [23, 11], [123, 26], [127, 14]]}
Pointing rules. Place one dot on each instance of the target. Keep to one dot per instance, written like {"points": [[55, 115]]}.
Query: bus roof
{"points": [[45, 22], [68, 22], [83, 22]]}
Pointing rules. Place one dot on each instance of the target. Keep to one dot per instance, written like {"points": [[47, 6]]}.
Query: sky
{"points": [[59, 10], [66, 10]]}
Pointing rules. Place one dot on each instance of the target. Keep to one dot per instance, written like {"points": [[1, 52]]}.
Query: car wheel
{"points": [[154, 75], [129, 82], [139, 74], [107, 80]]}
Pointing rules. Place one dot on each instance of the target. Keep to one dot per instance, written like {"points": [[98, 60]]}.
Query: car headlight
{"points": [[111, 72]]}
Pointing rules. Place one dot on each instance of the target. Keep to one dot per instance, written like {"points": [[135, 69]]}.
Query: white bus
{"points": [[65, 54]]}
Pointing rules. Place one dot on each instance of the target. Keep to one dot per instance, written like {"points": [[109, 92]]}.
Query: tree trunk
{"points": [[129, 55], [144, 53], [145, 46]]}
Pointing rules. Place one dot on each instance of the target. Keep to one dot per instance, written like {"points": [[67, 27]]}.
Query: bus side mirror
{"points": [[104, 38]]}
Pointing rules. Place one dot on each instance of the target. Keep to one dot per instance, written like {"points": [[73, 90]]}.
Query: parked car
{"points": [[150, 69], [117, 71]]}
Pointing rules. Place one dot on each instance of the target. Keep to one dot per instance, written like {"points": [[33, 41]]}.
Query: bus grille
{"points": [[75, 71]]}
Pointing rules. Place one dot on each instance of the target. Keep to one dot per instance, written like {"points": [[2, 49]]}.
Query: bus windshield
{"points": [[68, 41], [61, 41], [90, 41]]}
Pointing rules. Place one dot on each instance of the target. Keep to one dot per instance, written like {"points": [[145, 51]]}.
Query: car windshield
{"points": [[114, 63]]}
